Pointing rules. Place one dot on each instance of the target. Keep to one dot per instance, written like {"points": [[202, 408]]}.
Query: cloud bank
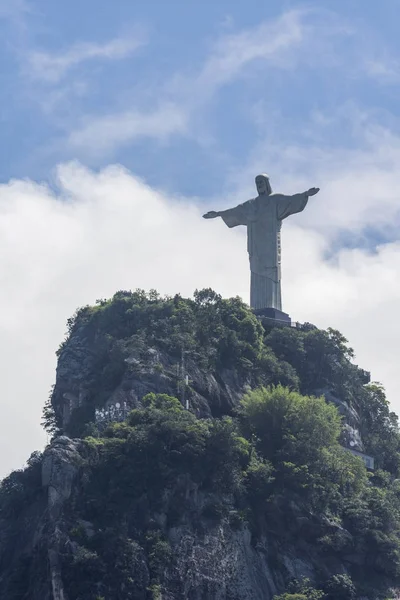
{"points": [[92, 234]]}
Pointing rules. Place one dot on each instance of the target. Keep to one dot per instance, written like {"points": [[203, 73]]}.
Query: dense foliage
{"points": [[21, 488], [220, 334], [274, 464], [278, 458]]}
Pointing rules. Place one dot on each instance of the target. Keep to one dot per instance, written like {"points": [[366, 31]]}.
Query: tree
{"points": [[289, 425], [380, 429], [301, 590], [340, 587]]}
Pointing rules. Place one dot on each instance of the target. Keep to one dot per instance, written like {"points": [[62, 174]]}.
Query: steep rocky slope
{"points": [[173, 503]]}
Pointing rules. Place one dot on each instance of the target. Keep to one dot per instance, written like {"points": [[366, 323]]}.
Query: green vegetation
{"points": [[337, 587], [302, 590], [274, 464], [21, 488], [215, 334], [278, 458], [218, 334]]}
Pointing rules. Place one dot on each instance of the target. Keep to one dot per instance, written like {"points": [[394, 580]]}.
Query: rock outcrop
{"points": [[60, 467], [212, 560], [53, 530]]}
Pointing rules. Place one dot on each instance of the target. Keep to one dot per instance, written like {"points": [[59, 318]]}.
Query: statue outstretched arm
{"points": [[289, 205], [232, 217], [312, 191], [212, 214]]}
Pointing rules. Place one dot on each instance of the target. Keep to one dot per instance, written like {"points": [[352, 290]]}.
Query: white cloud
{"points": [[273, 42], [53, 67], [101, 135], [270, 42], [105, 231], [385, 70]]}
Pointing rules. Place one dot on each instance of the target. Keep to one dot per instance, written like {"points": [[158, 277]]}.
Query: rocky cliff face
{"points": [[144, 370], [184, 541], [97, 369], [212, 559]]}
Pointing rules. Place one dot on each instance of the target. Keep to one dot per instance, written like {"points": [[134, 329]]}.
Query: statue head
{"points": [[263, 185]]}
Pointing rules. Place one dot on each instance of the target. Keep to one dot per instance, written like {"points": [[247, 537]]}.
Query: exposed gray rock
{"points": [[61, 462], [351, 434], [352, 438], [60, 466], [211, 561], [222, 564], [208, 393]]}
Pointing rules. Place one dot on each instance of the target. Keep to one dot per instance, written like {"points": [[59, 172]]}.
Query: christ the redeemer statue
{"points": [[263, 218]]}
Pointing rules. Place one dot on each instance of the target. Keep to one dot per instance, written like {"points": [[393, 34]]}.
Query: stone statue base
{"points": [[273, 314]]}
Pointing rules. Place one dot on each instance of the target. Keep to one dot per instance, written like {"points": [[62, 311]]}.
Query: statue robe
{"points": [[263, 218]]}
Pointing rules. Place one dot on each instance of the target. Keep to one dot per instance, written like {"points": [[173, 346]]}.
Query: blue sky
{"points": [[71, 72], [123, 122]]}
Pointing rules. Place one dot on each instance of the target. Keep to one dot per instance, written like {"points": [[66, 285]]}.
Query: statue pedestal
{"points": [[273, 314]]}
